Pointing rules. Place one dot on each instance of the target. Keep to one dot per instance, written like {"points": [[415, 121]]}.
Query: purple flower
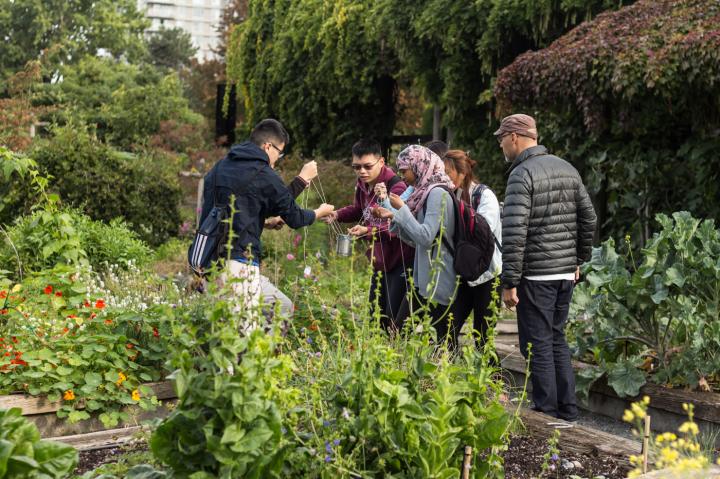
{"points": [[326, 423], [555, 457], [309, 340], [328, 447], [336, 442], [318, 354], [328, 458]]}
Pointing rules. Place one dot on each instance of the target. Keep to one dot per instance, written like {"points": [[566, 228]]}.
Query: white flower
{"points": [[307, 272]]}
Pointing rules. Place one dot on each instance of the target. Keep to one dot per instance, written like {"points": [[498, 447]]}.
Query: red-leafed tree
{"points": [[633, 97]]}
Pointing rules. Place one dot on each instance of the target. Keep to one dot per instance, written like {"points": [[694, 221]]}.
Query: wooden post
{"points": [[467, 463], [437, 130], [646, 445]]}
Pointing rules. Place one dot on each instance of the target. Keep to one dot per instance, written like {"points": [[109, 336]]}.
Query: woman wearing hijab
{"points": [[418, 222]]}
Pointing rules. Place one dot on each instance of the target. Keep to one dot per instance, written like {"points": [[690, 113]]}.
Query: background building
{"points": [[200, 18]]}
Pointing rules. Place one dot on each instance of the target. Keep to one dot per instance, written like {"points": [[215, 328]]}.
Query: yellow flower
{"points": [[628, 416], [689, 427], [121, 378], [646, 400], [136, 395], [17, 288], [638, 410], [669, 455], [69, 395]]}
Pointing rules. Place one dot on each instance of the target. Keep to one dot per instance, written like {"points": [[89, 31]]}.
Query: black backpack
{"points": [[477, 198], [473, 241], [210, 239]]}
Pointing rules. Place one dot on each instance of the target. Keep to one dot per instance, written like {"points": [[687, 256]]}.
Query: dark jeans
{"points": [[542, 313], [475, 299], [391, 290], [439, 318]]}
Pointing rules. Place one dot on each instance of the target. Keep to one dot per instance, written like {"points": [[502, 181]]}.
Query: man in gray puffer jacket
{"points": [[547, 228]]}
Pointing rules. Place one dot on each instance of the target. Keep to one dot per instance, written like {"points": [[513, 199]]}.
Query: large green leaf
{"points": [[55, 458], [625, 378]]}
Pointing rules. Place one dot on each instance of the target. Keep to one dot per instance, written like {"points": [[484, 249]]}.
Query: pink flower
{"points": [[290, 256], [296, 240]]}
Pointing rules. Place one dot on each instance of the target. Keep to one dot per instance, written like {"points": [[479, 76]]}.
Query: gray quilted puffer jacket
{"points": [[548, 219]]}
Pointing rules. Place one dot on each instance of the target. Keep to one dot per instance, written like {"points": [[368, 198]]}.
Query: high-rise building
{"points": [[200, 18]]}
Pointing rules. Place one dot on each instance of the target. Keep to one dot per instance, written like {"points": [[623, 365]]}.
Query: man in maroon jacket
{"points": [[390, 257]]}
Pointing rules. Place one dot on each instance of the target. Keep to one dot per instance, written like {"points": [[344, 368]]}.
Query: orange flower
{"points": [[48, 289], [65, 330], [93, 315], [69, 395], [3, 294], [100, 304], [3, 311], [129, 345], [58, 294], [87, 303], [313, 327], [136, 395], [156, 333], [108, 322]]}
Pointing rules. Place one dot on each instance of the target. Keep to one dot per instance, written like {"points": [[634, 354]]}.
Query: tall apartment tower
{"points": [[200, 18]]}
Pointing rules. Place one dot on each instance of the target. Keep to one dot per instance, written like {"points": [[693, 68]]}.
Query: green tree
{"points": [[171, 48], [62, 31]]}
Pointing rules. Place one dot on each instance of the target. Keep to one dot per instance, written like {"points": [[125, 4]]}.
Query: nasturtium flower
{"points": [[58, 294], [121, 378], [69, 395], [48, 289], [136, 395], [100, 304]]}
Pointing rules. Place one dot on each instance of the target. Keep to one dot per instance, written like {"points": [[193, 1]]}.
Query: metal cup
{"points": [[344, 246]]}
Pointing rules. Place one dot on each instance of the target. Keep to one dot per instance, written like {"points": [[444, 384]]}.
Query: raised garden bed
{"points": [[666, 405], [43, 413]]}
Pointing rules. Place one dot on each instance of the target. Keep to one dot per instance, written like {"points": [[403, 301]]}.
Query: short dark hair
{"points": [[366, 147], [269, 131], [440, 148]]}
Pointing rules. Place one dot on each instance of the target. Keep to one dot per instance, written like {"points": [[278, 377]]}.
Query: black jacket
{"points": [[548, 219], [259, 194]]}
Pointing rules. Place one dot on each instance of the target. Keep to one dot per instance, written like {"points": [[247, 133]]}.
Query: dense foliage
{"points": [[25, 455], [655, 317], [287, 56], [633, 99]]}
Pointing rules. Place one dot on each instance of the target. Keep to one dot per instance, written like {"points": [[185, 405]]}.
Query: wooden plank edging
{"points": [[101, 439], [32, 405], [706, 404]]}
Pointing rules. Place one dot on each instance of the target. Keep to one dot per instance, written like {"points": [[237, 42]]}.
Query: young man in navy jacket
{"points": [[247, 172]]}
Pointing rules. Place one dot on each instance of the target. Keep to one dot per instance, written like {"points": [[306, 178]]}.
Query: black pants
{"points": [[440, 316], [390, 290], [475, 299], [542, 313]]}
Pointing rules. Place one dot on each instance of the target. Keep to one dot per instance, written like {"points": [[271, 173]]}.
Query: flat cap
{"points": [[520, 124]]}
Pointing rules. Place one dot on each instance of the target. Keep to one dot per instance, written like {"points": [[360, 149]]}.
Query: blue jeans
{"points": [[542, 314]]}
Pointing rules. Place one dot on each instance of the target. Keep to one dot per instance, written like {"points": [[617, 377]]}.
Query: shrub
{"points": [[45, 238], [106, 183], [655, 319]]}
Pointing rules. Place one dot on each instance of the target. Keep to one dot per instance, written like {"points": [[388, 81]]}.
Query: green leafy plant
{"points": [[655, 317], [24, 455], [63, 341]]}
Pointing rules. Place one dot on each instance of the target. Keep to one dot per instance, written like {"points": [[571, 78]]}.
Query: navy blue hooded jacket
{"points": [[259, 194]]}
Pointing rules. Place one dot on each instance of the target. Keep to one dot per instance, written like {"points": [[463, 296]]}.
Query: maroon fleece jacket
{"points": [[388, 251]]}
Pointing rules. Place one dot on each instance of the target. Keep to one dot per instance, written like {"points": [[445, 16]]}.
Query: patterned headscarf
{"points": [[429, 172]]}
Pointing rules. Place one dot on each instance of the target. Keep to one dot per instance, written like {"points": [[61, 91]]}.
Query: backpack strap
{"points": [[476, 199], [392, 182], [455, 213]]}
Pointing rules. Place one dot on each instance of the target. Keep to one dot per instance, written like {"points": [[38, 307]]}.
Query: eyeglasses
{"points": [[280, 152], [500, 138], [366, 167]]}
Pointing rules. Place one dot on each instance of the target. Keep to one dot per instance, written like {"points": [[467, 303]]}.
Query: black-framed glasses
{"points": [[366, 167], [280, 152]]}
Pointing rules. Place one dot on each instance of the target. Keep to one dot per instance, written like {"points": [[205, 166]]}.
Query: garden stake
{"points": [[646, 444], [467, 463]]}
